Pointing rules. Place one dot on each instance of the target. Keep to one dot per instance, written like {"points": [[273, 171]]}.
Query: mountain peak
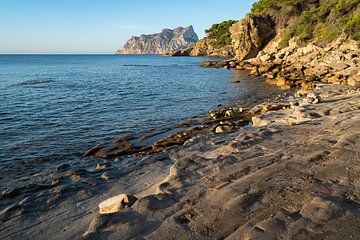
{"points": [[168, 40]]}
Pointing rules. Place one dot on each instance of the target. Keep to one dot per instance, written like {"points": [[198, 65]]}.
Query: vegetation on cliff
{"points": [[323, 23], [220, 33]]}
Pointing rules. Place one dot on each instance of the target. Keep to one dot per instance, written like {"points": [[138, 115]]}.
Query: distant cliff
{"points": [[161, 43], [217, 43]]}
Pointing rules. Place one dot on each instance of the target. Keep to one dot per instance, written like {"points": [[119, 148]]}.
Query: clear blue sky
{"points": [[102, 26]]}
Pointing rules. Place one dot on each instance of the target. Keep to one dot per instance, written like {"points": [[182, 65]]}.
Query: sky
{"points": [[102, 26]]}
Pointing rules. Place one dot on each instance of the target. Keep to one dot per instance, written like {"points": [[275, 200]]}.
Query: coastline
{"points": [[278, 171], [283, 168]]}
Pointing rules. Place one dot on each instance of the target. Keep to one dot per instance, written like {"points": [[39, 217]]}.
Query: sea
{"points": [[55, 107]]}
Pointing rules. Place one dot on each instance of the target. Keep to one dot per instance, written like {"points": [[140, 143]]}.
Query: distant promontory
{"points": [[160, 43]]}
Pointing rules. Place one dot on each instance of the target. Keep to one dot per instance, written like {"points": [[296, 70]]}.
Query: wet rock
{"points": [[92, 151], [77, 174], [106, 176], [255, 71], [206, 64], [106, 153], [103, 166], [224, 127], [239, 67], [115, 204]]}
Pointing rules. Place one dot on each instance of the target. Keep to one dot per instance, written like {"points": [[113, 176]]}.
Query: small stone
{"points": [[103, 166], [224, 128], [306, 85], [105, 176], [285, 87], [115, 204]]}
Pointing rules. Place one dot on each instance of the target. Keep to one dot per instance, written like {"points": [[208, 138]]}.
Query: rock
{"points": [[279, 81], [93, 151], [106, 176], [254, 71], [251, 34], [115, 204], [206, 64], [306, 85], [354, 81], [224, 128], [285, 87], [338, 65], [207, 47], [161, 43], [319, 210], [98, 222], [180, 53], [106, 153], [312, 98], [103, 166]]}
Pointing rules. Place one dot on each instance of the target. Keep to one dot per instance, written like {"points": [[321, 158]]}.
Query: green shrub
{"points": [[220, 33], [325, 22], [352, 26]]}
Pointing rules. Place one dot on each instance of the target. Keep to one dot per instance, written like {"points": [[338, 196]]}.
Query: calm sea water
{"points": [[53, 107]]}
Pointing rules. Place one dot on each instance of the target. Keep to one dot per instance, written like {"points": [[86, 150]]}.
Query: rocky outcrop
{"points": [[207, 47], [251, 34], [180, 53], [337, 62], [161, 43]]}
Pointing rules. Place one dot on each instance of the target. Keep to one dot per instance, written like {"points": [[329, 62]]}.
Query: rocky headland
{"points": [[286, 168], [160, 43]]}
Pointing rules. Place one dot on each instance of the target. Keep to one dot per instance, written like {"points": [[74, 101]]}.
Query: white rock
{"points": [[115, 204]]}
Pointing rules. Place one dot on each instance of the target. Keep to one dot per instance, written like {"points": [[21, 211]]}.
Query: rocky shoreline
{"points": [[336, 63], [291, 173], [286, 168]]}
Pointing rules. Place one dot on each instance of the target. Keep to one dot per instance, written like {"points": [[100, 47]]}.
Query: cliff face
{"points": [[161, 43], [273, 23], [251, 34]]}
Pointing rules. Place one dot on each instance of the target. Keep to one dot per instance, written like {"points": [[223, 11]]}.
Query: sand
{"points": [[295, 174]]}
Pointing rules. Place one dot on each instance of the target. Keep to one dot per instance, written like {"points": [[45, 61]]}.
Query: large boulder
{"points": [[251, 34]]}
